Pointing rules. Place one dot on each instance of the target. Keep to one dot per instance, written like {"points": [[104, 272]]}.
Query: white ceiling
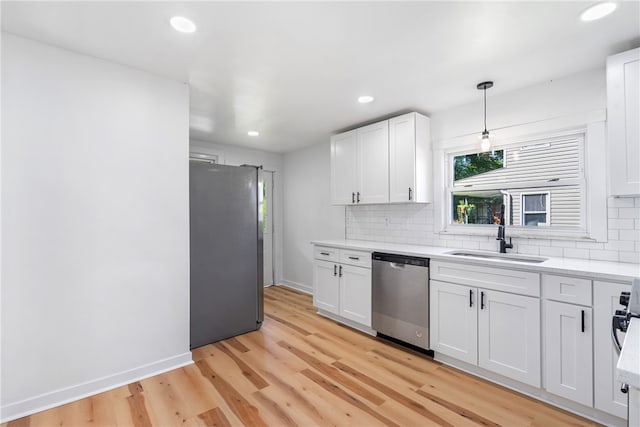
{"points": [[293, 70]]}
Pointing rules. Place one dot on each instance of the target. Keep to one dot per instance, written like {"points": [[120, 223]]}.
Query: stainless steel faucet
{"points": [[502, 236]]}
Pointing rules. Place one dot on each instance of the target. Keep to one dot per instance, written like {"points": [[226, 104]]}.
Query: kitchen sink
{"points": [[498, 257]]}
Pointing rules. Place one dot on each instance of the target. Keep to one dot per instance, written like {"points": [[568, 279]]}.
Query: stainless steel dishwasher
{"points": [[400, 298]]}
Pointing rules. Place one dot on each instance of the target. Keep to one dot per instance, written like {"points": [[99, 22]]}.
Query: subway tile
{"points": [[590, 245], [620, 245], [632, 257], [629, 235], [629, 213], [563, 243], [621, 224], [603, 255], [540, 242], [612, 213], [550, 251], [576, 253], [621, 202], [613, 234]]}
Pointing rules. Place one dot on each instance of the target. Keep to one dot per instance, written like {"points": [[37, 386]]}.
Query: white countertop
{"points": [[604, 270], [629, 361]]}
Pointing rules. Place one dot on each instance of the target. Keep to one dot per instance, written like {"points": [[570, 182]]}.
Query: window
{"points": [[531, 184], [535, 209]]}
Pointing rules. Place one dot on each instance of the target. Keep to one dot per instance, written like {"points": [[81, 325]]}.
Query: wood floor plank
{"points": [[246, 412], [302, 369], [352, 400], [247, 371], [214, 418]]}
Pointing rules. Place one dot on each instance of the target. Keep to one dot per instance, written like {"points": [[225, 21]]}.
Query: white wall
{"points": [[308, 213], [236, 156], [95, 238]]}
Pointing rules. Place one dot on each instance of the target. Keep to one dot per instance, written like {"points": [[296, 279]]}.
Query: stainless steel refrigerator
{"points": [[226, 251]]}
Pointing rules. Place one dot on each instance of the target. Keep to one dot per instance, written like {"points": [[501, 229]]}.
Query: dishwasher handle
{"points": [[396, 265]]}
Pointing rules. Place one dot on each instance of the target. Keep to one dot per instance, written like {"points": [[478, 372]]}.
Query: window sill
{"points": [[518, 232]]}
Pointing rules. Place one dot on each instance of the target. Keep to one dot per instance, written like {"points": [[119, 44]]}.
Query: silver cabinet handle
{"points": [[355, 258], [325, 253]]}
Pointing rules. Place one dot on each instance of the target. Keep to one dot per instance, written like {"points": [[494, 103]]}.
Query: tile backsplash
{"points": [[414, 224]]}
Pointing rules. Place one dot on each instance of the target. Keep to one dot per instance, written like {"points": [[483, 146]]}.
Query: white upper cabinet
{"points": [[623, 122], [373, 163], [343, 168], [409, 159], [388, 161]]}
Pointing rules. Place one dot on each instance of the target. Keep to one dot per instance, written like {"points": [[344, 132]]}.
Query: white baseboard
{"points": [[62, 396], [297, 286]]}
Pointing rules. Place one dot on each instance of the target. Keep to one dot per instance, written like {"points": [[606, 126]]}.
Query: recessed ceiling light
{"points": [[598, 11], [365, 99], [253, 133], [182, 24]]}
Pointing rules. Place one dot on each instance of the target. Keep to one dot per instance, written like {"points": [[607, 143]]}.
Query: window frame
{"points": [[591, 123]]}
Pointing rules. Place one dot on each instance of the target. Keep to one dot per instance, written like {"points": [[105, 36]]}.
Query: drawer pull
{"points": [[481, 300], [582, 318], [335, 267], [325, 253], [355, 258], [470, 298], [358, 197], [353, 197], [340, 272]]}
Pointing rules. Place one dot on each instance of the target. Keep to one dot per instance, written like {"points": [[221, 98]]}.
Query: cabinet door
{"points": [[568, 351], [608, 396], [343, 168], [623, 126], [402, 158], [326, 286], [454, 320], [373, 163], [509, 335], [355, 294]]}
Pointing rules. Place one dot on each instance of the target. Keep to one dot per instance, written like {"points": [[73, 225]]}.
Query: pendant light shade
{"points": [[485, 145]]}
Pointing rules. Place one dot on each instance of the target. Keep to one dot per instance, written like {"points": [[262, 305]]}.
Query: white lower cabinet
{"points": [[355, 294], [343, 288], [509, 335], [495, 330], [608, 397], [454, 321], [326, 286], [568, 351]]}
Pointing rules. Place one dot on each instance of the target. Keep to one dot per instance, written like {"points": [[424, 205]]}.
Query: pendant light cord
{"points": [[485, 108]]}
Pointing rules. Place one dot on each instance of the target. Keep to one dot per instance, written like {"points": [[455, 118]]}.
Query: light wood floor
{"points": [[303, 370]]}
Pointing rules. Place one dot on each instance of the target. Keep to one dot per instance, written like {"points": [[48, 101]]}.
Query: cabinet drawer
{"points": [[326, 253], [352, 257], [501, 279], [567, 289]]}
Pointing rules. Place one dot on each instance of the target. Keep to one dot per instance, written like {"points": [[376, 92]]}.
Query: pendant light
{"points": [[486, 143]]}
